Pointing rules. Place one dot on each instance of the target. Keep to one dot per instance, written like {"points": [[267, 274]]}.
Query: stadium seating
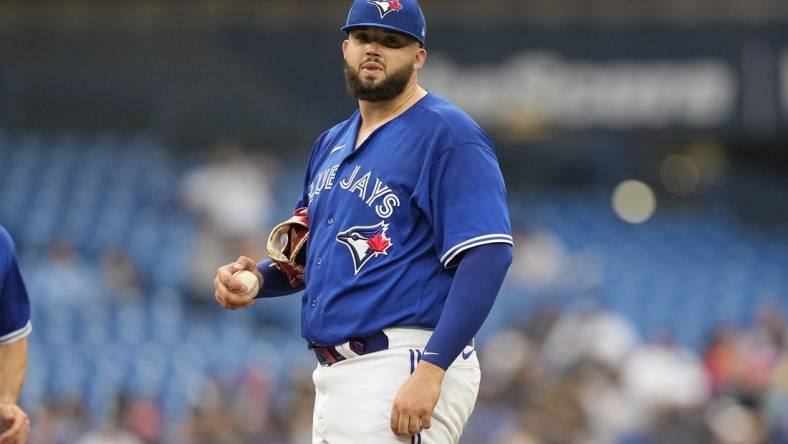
{"points": [[682, 272]]}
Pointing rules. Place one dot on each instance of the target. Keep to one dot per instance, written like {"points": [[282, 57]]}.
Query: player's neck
{"points": [[374, 114]]}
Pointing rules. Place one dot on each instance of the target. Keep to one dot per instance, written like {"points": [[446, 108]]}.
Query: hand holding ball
{"points": [[250, 282]]}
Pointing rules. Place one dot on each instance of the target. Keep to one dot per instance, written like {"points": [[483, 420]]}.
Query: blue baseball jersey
{"points": [[14, 304], [389, 219]]}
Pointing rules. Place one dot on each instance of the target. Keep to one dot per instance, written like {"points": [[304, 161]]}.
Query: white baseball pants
{"points": [[353, 397]]}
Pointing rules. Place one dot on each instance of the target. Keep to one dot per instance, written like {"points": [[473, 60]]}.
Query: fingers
{"points": [[394, 421], [407, 425], [414, 425], [232, 283], [17, 426], [403, 425], [230, 299], [229, 290], [245, 263]]}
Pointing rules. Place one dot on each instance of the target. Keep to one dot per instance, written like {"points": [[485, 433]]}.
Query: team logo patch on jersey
{"points": [[384, 7], [365, 243]]}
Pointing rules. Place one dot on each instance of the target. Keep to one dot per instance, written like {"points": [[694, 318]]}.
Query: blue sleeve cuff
{"points": [[275, 283]]}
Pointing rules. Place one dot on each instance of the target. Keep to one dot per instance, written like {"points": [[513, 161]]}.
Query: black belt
{"points": [[328, 354]]}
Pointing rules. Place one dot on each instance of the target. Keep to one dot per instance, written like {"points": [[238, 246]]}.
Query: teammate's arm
{"points": [[14, 328], [13, 360]]}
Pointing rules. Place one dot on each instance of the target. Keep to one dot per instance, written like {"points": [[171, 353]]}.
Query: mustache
{"points": [[372, 60]]}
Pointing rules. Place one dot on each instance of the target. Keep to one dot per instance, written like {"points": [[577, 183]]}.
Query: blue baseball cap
{"points": [[403, 16]]}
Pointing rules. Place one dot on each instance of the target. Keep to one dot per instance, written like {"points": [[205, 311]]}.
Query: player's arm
{"points": [[14, 423], [476, 283], [13, 360], [465, 199], [14, 328], [474, 288]]}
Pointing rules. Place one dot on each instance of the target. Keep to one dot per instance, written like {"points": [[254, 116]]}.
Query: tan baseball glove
{"points": [[287, 246]]}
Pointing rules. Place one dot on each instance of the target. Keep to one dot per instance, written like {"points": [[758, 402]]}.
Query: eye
{"points": [[362, 37], [392, 42]]}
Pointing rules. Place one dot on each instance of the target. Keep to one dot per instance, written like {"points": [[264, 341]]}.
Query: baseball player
{"points": [[408, 244], [14, 328]]}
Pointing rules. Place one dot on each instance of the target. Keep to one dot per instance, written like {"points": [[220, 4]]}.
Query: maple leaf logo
{"points": [[378, 243]]}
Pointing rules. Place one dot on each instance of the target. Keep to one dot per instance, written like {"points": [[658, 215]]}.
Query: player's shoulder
{"points": [[458, 127]]}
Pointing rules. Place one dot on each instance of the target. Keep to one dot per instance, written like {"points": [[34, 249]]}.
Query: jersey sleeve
{"points": [[14, 303], [468, 201]]}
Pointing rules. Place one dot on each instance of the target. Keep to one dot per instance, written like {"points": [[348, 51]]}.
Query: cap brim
{"points": [[347, 28]]}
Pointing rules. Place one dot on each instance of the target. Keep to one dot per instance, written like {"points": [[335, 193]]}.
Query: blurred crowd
{"points": [[572, 374], [583, 375]]}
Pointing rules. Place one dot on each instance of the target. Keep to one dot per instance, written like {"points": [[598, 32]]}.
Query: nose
{"points": [[372, 49]]}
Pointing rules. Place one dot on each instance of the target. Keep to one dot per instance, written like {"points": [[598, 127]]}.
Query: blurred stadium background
{"points": [[144, 143]]}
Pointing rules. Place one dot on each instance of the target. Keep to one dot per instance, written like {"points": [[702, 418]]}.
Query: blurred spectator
{"points": [[741, 362], [230, 193], [63, 277], [776, 401], [542, 264], [236, 410], [113, 430], [60, 421], [144, 418], [589, 332], [252, 404], [211, 422], [120, 276], [663, 375], [298, 407], [231, 196]]}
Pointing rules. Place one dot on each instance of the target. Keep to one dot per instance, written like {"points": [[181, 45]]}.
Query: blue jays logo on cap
{"points": [[365, 243], [384, 7], [407, 18]]}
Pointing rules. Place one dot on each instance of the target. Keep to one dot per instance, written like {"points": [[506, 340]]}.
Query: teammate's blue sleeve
{"points": [[14, 303], [275, 282], [467, 201], [474, 288]]}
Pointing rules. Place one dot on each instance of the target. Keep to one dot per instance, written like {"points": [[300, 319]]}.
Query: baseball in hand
{"points": [[249, 280]]}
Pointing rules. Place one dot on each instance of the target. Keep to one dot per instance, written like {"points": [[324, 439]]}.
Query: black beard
{"points": [[389, 88]]}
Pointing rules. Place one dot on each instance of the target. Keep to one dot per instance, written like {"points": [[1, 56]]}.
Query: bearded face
{"points": [[363, 87]]}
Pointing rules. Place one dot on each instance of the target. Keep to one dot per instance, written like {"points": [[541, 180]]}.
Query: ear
{"points": [[421, 57], [345, 44]]}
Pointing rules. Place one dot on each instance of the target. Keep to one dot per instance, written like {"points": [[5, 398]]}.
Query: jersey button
{"points": [[314, 303], [319, 260], [330, 220]]}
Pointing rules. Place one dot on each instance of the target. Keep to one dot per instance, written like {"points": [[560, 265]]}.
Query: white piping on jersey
{"points": [[474, 242], [337, 148], [16, 335]]}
